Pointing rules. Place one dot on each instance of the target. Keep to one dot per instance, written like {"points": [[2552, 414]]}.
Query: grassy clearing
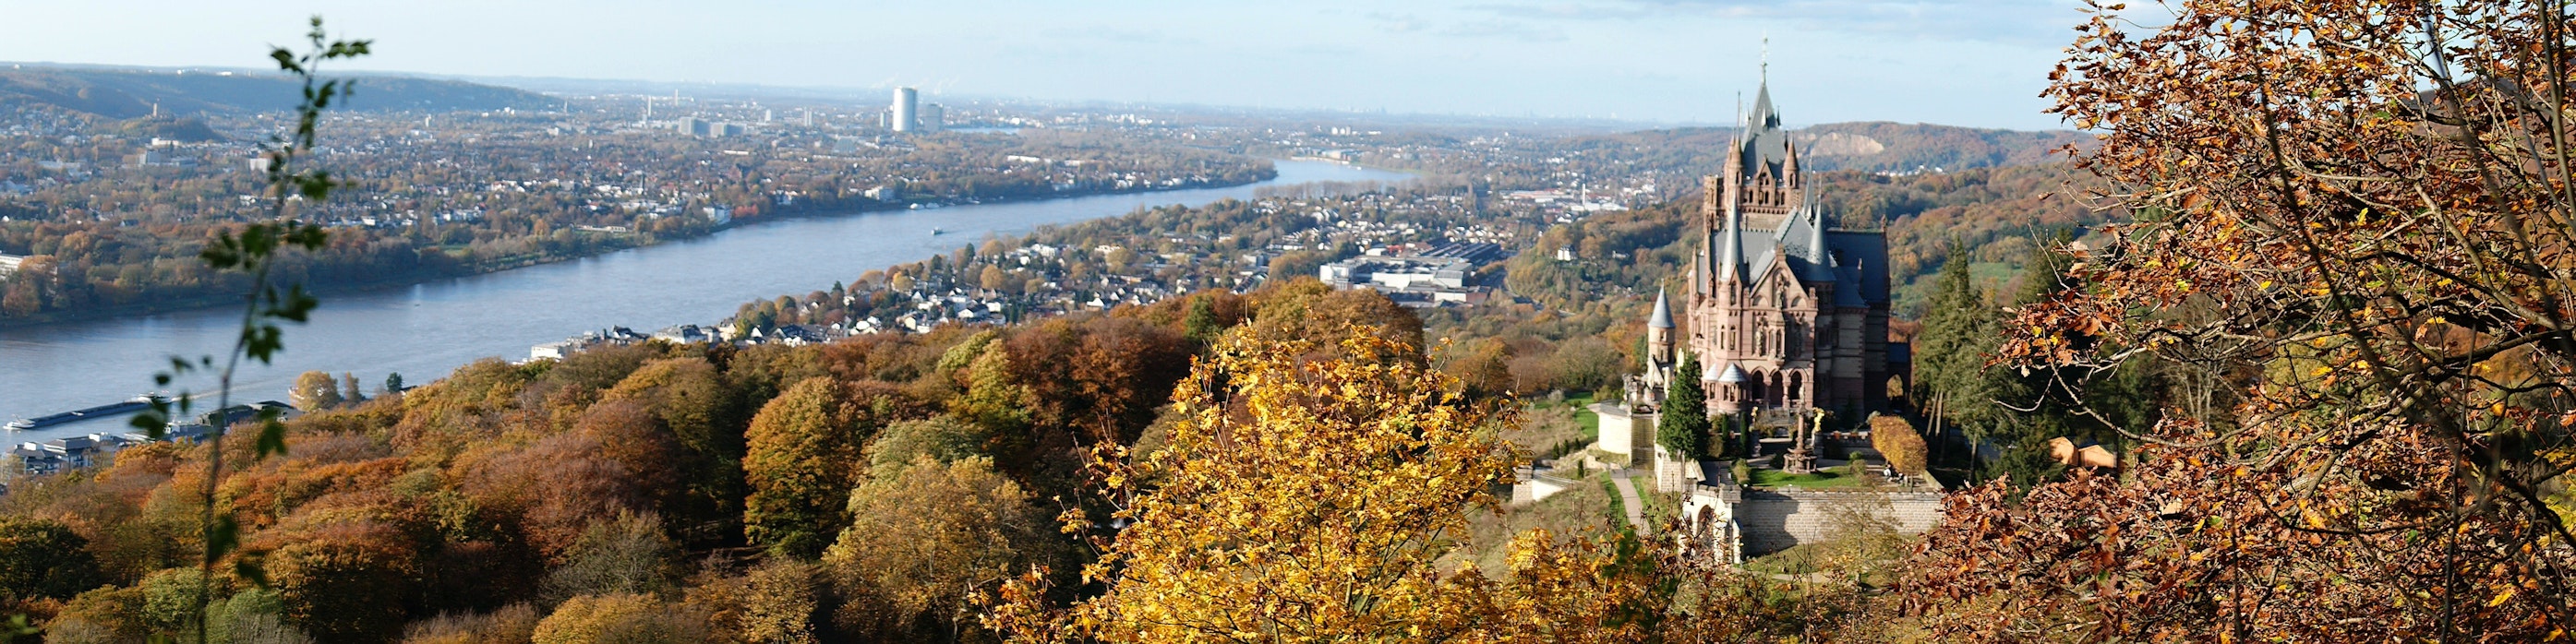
{"points": [[1576, 509], [1551, 426]]}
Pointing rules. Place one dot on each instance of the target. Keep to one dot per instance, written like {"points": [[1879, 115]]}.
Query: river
{"points": [[426, 330]]}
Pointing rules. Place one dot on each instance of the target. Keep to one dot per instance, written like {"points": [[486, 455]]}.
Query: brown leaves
{"points": [[2366, 246]]}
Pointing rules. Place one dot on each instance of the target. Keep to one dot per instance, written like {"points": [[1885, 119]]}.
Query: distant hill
{"points": [[1903, 147], [131, 93], [1870, 146], [176, 128]]}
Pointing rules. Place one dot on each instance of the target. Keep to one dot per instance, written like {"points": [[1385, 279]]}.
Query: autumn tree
{"points": [[43, 559], [627, 554], [2357, 211], [314, 391], [925, 538], [803, 458], [346, 568], [1100, 378], [1897, 442], [622, 619], [1305, 495], [1484, 366], [693, 400]]}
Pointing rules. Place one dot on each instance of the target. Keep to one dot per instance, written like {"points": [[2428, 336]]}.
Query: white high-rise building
{"points": [[907, 105]]}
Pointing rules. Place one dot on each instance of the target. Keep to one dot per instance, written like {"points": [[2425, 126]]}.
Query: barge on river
{"points": [[114, 409]]}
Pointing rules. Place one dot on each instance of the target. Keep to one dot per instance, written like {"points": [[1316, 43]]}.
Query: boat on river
{"points": [[129, 406]]}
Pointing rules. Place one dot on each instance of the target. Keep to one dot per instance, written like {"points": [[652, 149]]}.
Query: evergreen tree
{"points": [[1683, 426], [2057, 399], [1201, 325], [1950, 353]]}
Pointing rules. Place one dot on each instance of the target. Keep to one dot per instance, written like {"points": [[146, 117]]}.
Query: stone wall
{"points": [[1672, 474], [1774, 520], [1624, 433]]}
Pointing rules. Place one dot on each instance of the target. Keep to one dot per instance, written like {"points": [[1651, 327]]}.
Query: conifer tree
{"points": [[1683, 426], [1950, 353]]}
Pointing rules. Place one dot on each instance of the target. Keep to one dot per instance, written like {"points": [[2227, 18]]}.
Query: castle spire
{"points": [[1663, 318], [1734, 245], [1816, 234]]}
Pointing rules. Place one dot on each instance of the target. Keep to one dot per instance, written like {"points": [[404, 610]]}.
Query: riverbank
{"points": [[432, 327], [166, 305]]}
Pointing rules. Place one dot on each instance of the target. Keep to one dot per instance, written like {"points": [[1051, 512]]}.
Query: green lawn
{"points": [[1819, 480]]}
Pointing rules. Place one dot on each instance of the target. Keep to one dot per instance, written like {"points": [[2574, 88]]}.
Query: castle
{"points": [[1787, 316], [1787, 312]]}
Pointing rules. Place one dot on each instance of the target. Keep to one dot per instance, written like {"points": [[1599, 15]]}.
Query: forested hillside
{"points": [[1867, 147], [866, 489], [1992, 216], [131, 93]]}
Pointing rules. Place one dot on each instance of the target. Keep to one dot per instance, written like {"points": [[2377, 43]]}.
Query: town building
{"points": [[1441, 275], [930, 118]]}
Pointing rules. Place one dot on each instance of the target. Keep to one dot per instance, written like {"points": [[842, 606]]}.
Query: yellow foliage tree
{"points": [[925, 536], [1308, 496], [1897, 441]]}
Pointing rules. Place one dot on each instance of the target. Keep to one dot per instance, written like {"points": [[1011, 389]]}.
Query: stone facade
{"points": [[1787, 312]]}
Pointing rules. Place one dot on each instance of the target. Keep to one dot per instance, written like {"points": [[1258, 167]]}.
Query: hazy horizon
{"points": [[1681, 62]]}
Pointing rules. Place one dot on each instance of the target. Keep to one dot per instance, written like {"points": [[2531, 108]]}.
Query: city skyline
{"points": [[1669, 61]]}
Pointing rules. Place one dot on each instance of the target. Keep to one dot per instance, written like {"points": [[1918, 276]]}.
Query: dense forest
{"points": [[714, 494]]}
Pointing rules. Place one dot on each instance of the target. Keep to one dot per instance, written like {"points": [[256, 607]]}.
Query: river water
{"points": [[427, 330]]}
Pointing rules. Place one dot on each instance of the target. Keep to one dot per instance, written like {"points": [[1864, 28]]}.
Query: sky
{"points": [[1979, 63]]}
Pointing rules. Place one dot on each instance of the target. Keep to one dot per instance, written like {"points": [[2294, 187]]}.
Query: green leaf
{"points": [[253, 568], [222, 536], [272, 438]]}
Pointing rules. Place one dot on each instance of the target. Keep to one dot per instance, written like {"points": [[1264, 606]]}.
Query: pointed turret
{"points": [[1731, 268], [1816, 236], [1789, 165], [1659, 334]]}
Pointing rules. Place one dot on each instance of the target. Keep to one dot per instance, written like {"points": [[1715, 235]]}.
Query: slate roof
{"points": [[1816, 252], [1766, 143]]}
